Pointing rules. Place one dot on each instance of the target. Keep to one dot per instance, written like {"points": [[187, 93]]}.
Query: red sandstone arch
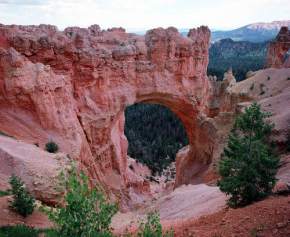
{"points": [[73, 86]]}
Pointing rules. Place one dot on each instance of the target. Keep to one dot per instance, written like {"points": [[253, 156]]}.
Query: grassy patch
{"points": [[18, 231], [25, 231]]}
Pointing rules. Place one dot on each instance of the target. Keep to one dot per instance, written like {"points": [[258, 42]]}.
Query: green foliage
{"points": [[23, 203], [18, 231], [4, 193], [86, 213], [153, 227], [155, 135], [51, 147], [248, 166], [50, 233], [241, 56]]}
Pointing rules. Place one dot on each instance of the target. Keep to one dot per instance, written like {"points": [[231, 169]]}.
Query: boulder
{"points": [[38, 169]]}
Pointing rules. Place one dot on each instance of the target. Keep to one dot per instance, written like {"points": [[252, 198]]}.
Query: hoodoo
{"points": [[278, 50]]}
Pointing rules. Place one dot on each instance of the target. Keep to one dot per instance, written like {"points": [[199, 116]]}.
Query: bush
{"points": [[86, 212], [23, 203], [248, 165], [4, 193], [18, 231], [51, 147], [153, 227]]}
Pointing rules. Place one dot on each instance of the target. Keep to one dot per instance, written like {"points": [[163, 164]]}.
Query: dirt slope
{"points": [[267, 218]]}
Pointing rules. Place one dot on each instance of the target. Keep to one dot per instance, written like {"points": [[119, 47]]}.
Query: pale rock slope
{"points": [[39, 170]]}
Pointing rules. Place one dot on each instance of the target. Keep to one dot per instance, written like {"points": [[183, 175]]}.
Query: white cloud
{"points": [[143, 13]]}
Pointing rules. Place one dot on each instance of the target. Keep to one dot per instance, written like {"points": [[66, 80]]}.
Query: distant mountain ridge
{"points": [[256, 32]]}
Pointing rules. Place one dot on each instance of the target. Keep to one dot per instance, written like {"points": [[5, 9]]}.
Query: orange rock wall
{"points": [[73, 86], [277, 56]]}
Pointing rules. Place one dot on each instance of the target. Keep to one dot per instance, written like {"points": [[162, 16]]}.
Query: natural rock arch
{"points": [[73, 86]]}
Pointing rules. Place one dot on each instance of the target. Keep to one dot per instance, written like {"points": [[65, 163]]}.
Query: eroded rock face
{"points": [[39, 170], [73, 86], [277, 56]]}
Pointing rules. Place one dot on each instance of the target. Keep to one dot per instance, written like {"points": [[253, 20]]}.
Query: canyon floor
{"points": [[270, 217]]}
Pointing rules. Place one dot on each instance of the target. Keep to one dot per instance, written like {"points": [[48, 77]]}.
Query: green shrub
{"points": [[248, 165], [18, 231], [23, 203], [153, 227], [4, 193], [86, 213], [50, 233], [51, 147]]}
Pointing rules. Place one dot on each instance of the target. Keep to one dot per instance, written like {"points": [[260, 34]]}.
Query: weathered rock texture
{"points": [[73, 86], [39, 170], [278, 55]]}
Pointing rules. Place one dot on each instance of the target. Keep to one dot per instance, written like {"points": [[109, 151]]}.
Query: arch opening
{"points": [[155, 134]]}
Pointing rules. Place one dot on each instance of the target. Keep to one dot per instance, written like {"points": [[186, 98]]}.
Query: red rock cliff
{"points": [[278, 51], [73, 86]]}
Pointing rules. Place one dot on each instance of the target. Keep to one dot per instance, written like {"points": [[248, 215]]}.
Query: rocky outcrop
{"points": [[39, 170], [278, 51], [73, 86]]}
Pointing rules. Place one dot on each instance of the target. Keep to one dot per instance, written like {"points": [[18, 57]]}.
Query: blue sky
{"points": [[143, 14]]}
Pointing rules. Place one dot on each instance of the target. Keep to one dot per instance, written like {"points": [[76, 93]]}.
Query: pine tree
{"points": [[248, 165], [23, 203]]}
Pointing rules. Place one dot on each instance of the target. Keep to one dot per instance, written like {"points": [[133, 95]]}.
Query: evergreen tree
{"points": [[248, 165], [23, 203]]}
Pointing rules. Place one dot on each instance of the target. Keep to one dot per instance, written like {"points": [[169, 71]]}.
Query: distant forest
{"points": [[155, 134], [241, 56]]}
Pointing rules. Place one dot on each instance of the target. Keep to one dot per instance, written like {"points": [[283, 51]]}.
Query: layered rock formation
{"points": [[73, 86], [278, 55]]}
